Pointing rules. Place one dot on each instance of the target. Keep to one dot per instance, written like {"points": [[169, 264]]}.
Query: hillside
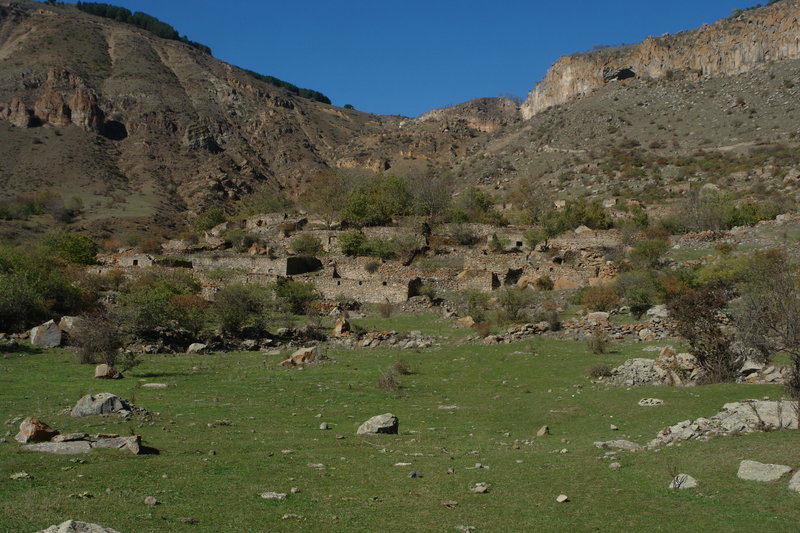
{"points": [[147, 131]]}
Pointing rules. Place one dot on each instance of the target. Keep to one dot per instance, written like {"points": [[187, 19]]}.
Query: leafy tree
{"points": [[376, 202], [71, 247], [352, 242], [306, 244], [209, 218], [647, 252], [240, 305], [294, 295]]}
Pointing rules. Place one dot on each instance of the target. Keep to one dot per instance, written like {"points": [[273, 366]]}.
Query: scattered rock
{"points": [[151, 500], [562, 498], [683, 481], [620, 444], [154, 385], [34, 430], [101, 404], [613, 427], [650, 402], [544, 430], [105, 371], [341, 328], [755, 471], [598, 317], [734, 419], [794, 483], [324, 426], [47, 335], [197, 348], [20, 475], [480, 488], [615, 466], [60, 448], [415, 474], [303, 356], [72, 526], [450, 504], [385, 423], [273, 495]]}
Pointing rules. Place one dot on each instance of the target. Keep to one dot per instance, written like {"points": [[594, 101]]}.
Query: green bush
{"points": [[241, 305], [647, 252], [35, 287], [603, 298], [71, 247], [351, 242], [239, 239], [208, 218], [293, 295], [375, 203], [306, 244]]}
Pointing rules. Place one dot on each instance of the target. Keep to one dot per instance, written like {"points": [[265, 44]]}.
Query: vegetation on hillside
{"points": [[140, 20]]}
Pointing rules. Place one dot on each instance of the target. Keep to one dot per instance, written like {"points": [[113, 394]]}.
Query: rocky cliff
{"points": [[726, 47]]}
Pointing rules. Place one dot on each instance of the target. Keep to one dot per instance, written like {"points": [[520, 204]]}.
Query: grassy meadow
{"points": [[230, 426]]}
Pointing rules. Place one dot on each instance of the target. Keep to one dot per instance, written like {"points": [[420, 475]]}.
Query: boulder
{"points": [[18, 114], [658, 311], [683, 481], [71, 526], [34, 430], [385, 423], [544, 430], [105, 371], [466, 321], [647, 334], [755, 471], [60, 448], [598, 317], [47, 335], [303, 356], [619, 444], [67, 324], [196, 347], [794, 483], [51, 108], [342, 327], [639, 371], [132, 443], [99, 404]]}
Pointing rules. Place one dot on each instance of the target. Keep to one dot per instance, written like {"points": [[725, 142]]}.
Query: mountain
{"points": [[146, 131]]}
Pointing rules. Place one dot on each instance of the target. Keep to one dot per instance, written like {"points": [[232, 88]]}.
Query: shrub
{"points": [[647, 252], [603, 298], [544, 283], [208, 218], [513, 300], [239, 239], [293, 295], [533, 237], [372, 266], [240, 305], [388, 381], [463, 234], [600, 371], [71, 247], [401, 368], [98, 338], [598, 343], [696, 314], [385, 309], [306, 244], [352, 242], [35, 287]]}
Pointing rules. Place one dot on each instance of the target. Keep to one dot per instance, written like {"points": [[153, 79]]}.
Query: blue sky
{"points": [[406, 57]]}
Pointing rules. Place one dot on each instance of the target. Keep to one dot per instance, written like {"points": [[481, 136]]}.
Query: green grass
{"points": [[503, 392]]}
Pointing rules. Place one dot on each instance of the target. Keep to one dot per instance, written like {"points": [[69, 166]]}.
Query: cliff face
{"points": [[729, 46]]}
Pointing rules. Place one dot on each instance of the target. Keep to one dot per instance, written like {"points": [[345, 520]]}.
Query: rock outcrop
{"points": [[726, 47]]}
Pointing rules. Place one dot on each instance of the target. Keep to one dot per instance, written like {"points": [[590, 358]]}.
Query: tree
{"points": [[208, 218], [767, 313], [696, 312], [71, 247], [239, 305], [294, 296]]}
